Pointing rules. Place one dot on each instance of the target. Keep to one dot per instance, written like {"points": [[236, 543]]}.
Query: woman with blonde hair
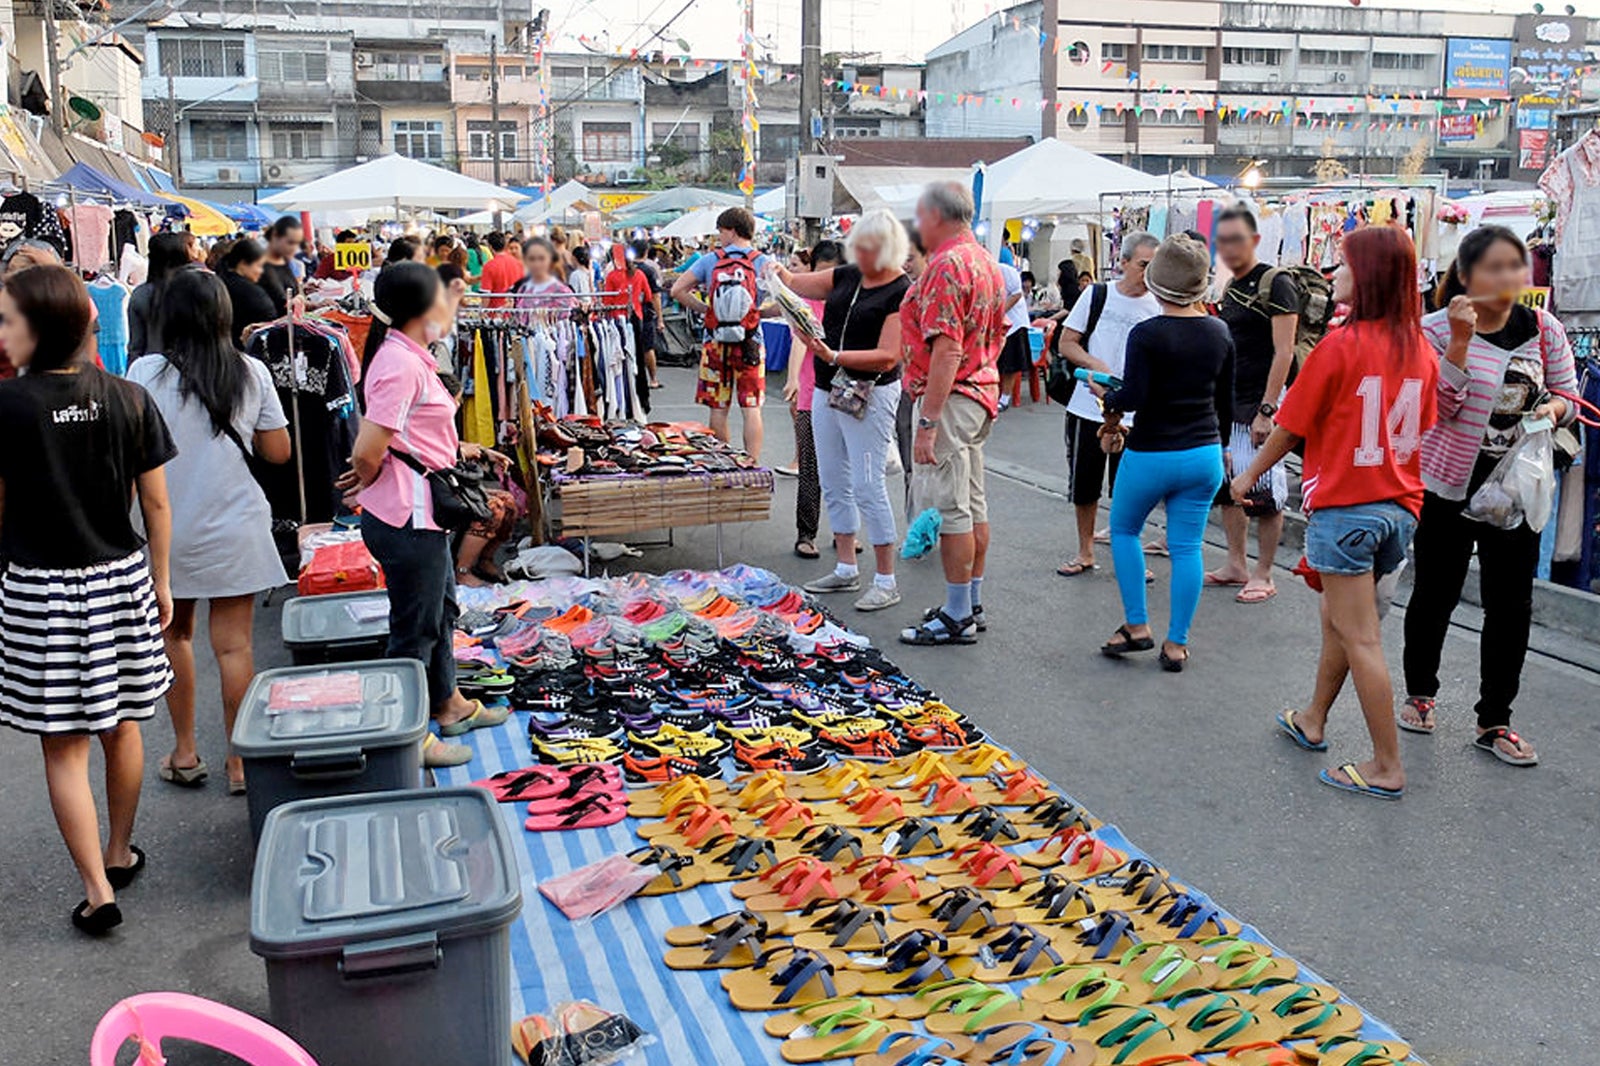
{"points": [[857, 392]]}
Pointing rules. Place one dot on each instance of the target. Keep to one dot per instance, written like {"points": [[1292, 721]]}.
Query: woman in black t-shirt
{"points": [[857, 394], [82, 606], [241, 269]]}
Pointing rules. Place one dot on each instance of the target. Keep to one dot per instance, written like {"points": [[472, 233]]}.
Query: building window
{"points": [[684, 136], [299, 67], [202, 57], [217, 140], [399, 66], [418, 138], [779, 142], [608, 142], [1174, 53], [297, 141], [1253, 57], [1113, 52], [846, 129], [1321, 57], [1399, 61], [1078, 53], [480, 139], [1077, 119]]}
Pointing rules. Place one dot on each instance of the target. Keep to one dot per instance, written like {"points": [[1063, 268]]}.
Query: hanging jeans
{"points": [[852, 455], [1185, 481], [1442, 553], [422, 598]]}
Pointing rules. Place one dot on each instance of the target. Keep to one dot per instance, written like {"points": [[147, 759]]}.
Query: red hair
{"points": [[1383, 270]]}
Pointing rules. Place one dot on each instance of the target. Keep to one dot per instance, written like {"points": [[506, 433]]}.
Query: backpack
{"points": [[733, 310], [1059, 383], [1314, 305]]}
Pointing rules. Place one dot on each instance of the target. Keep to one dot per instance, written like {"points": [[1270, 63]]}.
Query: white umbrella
{"points": [[395, 181]]}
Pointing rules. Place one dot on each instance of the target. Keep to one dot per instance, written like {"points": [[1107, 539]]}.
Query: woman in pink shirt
{"points": [[405, 408]]}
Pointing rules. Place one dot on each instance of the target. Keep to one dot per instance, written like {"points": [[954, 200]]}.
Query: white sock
{"points": [[884, 581], [846, 570]]}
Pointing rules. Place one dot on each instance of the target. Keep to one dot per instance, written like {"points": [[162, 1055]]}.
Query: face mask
{"points": [[433, 331]]}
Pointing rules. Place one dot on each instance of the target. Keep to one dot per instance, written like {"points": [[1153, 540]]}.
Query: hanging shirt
{"points": [[91, 235], [25, 215]]}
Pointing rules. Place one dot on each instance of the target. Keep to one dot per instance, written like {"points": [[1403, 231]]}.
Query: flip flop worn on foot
{"points": [[1252, 596], [1212, 581], [1489, 742], [1127, 645], [1287, 723], [1422, 707], [1076, 568], [1358, 784], [482, 717], [183, 776]]}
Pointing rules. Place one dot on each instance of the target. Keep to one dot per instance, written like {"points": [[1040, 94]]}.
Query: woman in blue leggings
{"points": [[1178, 378]]}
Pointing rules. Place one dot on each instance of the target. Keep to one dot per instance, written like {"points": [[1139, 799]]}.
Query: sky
{"points": [[896, 30]]}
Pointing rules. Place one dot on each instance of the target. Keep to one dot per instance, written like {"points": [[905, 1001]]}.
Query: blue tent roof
{"points": [[83, 176], [249, 214]]}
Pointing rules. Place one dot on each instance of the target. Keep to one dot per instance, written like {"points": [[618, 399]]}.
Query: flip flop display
{"points": [[888, 884]]}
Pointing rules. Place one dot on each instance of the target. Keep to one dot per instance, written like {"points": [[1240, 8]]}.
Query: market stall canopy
{"points": [[1050, 177], [773, 202], [83, 177], [1516, 209], [563, 200], [682, 200], [395, 181], [204, 220], [896, 188], [701, 223], [250, 214]]}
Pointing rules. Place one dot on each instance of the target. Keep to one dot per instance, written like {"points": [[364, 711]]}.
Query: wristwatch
{"points": [[927, 423], [1267, 410]]}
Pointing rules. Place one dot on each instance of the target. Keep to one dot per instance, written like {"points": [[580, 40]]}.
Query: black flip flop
{"points": [[123, 876], [810, 551], [1171, 665], [1130, 643], [101, 921]]}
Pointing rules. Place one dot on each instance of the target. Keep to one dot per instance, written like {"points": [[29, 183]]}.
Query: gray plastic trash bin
{"points": [[303, 754], [337, 628], [384, 922]]}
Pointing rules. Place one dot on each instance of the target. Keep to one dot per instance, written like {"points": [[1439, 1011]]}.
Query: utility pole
{"points": [[172, 128], [494, 103], [810, 90], [52, 45]]}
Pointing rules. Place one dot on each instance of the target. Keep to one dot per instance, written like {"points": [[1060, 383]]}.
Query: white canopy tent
{"points": [[396, 182], [1051, 177], [563, 200], [773, 202], [701, 223], [895, 188]]}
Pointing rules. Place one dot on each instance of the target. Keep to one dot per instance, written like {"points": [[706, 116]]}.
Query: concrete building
{"points": [[1213, 86]]}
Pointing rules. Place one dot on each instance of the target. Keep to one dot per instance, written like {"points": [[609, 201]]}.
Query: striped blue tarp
{"points": [[615, 960]]}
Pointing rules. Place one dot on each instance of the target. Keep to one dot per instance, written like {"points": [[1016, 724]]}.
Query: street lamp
{"points": [[175, 113]]}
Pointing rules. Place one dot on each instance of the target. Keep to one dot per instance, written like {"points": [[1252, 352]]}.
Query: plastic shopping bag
{"points": [[1522, 486]]}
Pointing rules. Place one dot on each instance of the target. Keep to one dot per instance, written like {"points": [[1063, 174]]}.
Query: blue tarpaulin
{"points": [[83, 176]]}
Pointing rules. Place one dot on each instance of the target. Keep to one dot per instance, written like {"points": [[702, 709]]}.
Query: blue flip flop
{"points": [[1358, 784], [1286, 723]]}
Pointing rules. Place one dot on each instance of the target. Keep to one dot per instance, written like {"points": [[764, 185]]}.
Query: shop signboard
{"points": [[1536, 297], [1477, 68], [1550, 50], [354, 256], [1457, 128], [1533, 149]]}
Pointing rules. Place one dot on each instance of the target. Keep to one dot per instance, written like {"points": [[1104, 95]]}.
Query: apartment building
{"points": [[1213, 86]]}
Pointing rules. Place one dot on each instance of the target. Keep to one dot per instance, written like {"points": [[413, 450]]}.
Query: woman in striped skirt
{"points": [[82, 605]]}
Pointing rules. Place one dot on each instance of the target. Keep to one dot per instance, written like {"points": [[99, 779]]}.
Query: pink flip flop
{"points": [[543, 782], [590, 812]]}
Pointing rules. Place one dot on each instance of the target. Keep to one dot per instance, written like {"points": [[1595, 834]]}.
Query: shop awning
{"points": [[83, 177], [896, 188], [204, 219], [394, 181]]}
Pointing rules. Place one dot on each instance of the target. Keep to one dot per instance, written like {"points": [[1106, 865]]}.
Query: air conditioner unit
{"points": [[363, 59], [274, 171], [227, 174]]}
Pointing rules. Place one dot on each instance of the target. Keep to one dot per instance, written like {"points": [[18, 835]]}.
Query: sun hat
{"points": [[1180, 271]]}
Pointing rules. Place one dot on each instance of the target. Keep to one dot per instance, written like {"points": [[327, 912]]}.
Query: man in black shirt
{"points": [[1263, 324], [277, 276]]}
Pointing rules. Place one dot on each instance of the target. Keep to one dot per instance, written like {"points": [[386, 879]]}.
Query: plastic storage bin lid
{"points": [[403, 869], [393, 710], [335, 618]]}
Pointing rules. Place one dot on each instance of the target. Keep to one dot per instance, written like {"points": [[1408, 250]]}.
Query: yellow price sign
{"points": [[1537, 298], [353, 256]]}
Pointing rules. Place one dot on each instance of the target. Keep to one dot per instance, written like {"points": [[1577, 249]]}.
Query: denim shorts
{"points": [[1366, 538]]}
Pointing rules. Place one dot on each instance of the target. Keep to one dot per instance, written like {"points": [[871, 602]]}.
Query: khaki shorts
{"points": [[953, 485]]}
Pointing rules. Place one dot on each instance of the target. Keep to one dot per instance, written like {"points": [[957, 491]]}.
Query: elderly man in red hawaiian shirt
{"points": [[954, 324]]}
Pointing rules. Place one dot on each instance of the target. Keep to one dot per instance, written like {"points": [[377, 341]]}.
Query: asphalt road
{"points": [[1464, 915]]}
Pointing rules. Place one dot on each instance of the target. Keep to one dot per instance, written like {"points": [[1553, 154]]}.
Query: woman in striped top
{"points": [[1501, 362]]}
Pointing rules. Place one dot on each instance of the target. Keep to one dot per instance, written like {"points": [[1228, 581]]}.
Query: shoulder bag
{"points": [[850, 395], [1059, 384], [457, 493]]}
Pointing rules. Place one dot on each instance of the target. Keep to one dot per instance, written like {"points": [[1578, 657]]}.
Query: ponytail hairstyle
{"points": [[197, 338], [242, 251], [403, 293]]}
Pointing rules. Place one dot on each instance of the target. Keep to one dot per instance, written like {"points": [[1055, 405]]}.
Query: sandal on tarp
{"points": [[1244, 964], [1137, 884], [687, 936], [841, 1042], [1128, 1033], [737, 858], [731, 942], [954, 912], [1045, 1051], [1162, 971], [1068, 991], [908, 963], [950, 631], [840, 781], [1051, 900], [678, 871], [966, 1007], [914, 1049], [1353, 1051], [1127, 645], [1289, 726], [1358, 784], [838, 925], [1309, 1012], [1263, 1054], [1018, 951], [590, 812], [792, 884], [787, 977], [1101, 938], [1217, 1021], [1186, 917], [658, 800], [827, 1012], [912, 838]]}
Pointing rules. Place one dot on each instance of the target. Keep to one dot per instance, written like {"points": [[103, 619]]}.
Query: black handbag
{"points": [[458, 496]]}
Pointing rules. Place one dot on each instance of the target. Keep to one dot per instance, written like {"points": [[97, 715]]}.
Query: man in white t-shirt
{"points": [[1105, 313], [1016, 354]]}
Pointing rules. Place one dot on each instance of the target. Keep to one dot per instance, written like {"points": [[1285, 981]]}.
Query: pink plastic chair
{"points": [[152, 1017]]}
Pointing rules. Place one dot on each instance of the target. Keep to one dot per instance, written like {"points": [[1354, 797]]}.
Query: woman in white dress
{"points": [[220, 405]]}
